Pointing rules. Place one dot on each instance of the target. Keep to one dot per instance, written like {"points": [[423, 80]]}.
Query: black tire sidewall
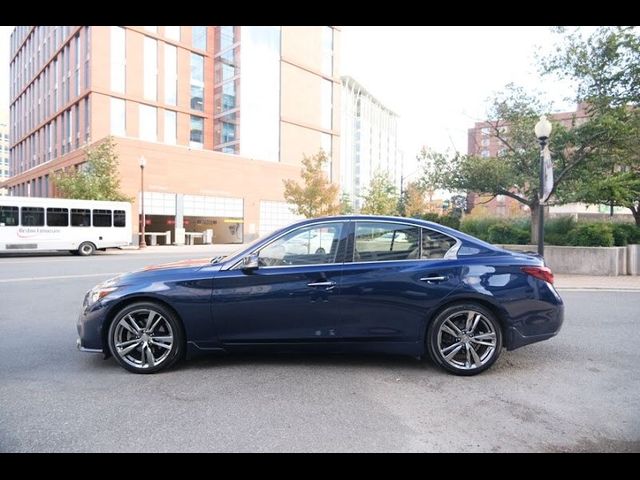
{"points": [[432, 337], [177, 349]]}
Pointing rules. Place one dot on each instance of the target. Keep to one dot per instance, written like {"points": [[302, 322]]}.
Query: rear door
{"points": [[396, 273]]}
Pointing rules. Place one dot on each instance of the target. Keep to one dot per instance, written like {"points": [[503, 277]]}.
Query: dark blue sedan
{"points": [[333, 284]]}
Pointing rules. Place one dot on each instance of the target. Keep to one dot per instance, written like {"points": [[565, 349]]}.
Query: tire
{"points": [[134, 341], [86, 249], [454, 336]]}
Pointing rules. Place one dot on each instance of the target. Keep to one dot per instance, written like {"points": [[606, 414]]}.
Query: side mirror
{"points": [[250, 262]]}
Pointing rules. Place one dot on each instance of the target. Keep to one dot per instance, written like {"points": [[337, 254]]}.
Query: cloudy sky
{"points": [[436, 78]]}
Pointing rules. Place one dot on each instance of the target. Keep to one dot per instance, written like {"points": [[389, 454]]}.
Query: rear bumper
{"points": [[537, 327]]}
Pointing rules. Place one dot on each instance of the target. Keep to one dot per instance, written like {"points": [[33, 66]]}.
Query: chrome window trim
{"points": [[286, 232]]}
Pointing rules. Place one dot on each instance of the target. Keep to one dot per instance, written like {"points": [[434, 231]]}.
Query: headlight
{"points": [[97, 293]]}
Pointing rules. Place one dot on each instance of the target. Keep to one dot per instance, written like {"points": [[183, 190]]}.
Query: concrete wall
{"points": [[610, 261]]}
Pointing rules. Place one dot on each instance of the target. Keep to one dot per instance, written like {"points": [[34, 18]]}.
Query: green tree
{"points": [[605, 66], [515, 171], [316, 196], [96, 179], [380, 197]]}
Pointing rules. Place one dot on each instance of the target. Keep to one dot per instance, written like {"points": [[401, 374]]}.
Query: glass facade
{"points": [[150, 68], [197, 82], [118, 123], [170, 75], [118, 67], [148, 128], [172, 32], [170, 127], [260, 93], [199, 34], [196, 134], [327, 51]]}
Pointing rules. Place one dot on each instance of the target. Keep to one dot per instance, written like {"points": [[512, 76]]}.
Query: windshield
{"points": [[243, 247]]}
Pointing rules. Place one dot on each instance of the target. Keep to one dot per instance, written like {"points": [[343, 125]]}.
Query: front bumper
{"points": [[88, 350]]}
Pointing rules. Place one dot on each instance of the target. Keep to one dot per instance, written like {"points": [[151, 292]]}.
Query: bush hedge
{"points": [[591, 235], [508, 233]]}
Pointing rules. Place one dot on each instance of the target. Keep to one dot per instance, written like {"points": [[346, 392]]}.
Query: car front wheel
{"points": [[465, 339], [146, 337]]}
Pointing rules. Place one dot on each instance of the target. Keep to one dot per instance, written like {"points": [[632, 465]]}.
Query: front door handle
{"points": [[329, 285], [433, 279]]}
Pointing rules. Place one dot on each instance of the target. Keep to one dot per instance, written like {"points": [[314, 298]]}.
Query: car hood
{"points": [[162, 271]]}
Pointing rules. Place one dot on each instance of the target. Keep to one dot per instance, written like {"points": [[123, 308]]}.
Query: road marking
{"points": [[597, 289], [57, 277], [30, 260]]}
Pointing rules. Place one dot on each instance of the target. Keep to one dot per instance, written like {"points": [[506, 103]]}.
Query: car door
{"points": [[396, 275], [290, 297]]}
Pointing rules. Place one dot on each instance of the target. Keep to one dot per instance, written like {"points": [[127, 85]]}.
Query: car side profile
{"points": [[335, 284]]}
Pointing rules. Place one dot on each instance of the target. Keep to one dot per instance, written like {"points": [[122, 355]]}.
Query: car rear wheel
{"points": [[146, 337], [465, 339]]}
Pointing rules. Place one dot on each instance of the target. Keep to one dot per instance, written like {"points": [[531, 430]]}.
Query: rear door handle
{"points": [[433, 279], [329, 285]]}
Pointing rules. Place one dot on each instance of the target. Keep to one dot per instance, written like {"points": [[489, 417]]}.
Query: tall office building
{"points": [[369, 138], [4, 149], [222, 114]]}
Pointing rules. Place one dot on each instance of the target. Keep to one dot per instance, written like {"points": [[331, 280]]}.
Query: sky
{"points": [[437, 79]]}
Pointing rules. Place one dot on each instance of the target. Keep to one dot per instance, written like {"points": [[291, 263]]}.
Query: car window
{"points": [[377, 241], [435, 244], [315, 244]]}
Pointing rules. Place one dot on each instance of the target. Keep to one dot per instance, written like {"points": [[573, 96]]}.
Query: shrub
{"points": [[479, 227], [450, 220], [625, 233], [591, 235], [508, 233], [556, 230]]}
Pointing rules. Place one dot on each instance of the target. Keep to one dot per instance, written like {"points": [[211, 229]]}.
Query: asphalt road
{"points": [[577, 392]]}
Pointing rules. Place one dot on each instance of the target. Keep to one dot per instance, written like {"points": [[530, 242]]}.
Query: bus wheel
{"points": [[86, 248]]}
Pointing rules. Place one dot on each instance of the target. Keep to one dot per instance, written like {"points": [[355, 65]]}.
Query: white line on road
{"points": [[30, 260], [57, 277]]}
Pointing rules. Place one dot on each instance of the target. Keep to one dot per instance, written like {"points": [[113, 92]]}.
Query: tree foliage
{"points": [[605, 67], [96, 179], [413, 202], [380, 197], [316, 196]]}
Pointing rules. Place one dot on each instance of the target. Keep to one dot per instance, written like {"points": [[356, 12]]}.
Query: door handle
{"points": [[433, 279], [329, 285]]}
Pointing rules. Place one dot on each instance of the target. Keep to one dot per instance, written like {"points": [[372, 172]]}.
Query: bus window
{"points": [[8, 216], [32, 217], [80, 217], [58, 217], [102, 218], [119, 218]]}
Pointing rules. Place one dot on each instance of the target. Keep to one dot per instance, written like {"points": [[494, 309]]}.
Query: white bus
{"points": [[30, 224]]}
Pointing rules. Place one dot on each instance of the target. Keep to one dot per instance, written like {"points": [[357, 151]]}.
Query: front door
{"points": [[291, 296]]}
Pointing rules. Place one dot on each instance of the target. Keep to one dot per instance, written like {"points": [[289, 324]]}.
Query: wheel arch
{"points": [[124, 303]]}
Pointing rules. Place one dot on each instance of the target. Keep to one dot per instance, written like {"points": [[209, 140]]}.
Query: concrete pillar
{"points": [[633, 259], [179, 226]]}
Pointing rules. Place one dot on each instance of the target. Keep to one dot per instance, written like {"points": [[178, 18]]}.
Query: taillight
{"points": [[543, 273]]}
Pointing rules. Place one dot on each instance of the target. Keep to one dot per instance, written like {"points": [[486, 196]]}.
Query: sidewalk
{"points": [[562, 281]]}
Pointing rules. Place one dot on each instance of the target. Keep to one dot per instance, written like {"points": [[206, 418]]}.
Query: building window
{"points": [[151, 28], [170, 74], [77, 70], [199, 37], [87, 119], [148, 123], [197, 82], [327, 51], [150, 68], [87, 55], [172, 32], [485, 153], [118, 117], [118, 59], [485, 131], [196, 133], [326, 98], [485, 142], [170, 127], [227, 37]]}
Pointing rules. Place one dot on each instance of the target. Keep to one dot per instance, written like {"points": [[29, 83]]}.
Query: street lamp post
{"points": [[542, 130], [143, 163]]}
